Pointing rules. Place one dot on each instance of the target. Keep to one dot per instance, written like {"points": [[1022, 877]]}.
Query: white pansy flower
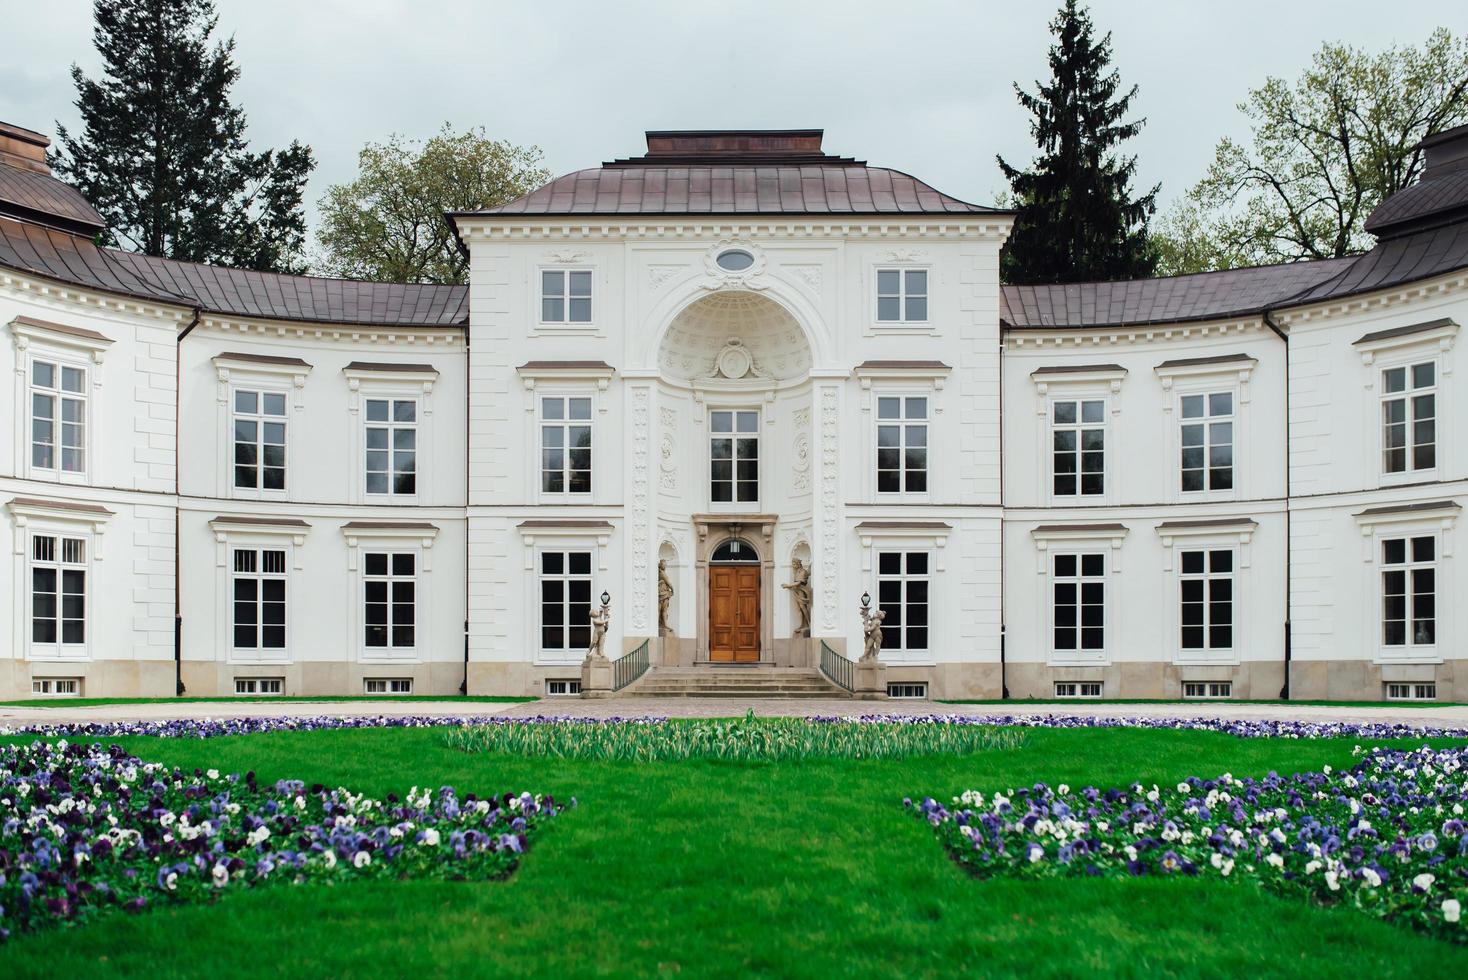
{"points": [[1424, 881], [361, 859], [1451, 910]]}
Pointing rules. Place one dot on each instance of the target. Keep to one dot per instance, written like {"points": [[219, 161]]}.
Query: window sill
{"points": [[557, 658], [58, 656], [1419, 655], [378, 657], [1205, 658], [248, 658], [1070, 660]]}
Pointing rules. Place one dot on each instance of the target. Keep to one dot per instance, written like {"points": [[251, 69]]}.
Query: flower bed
{"points": [[1386, 837], [748, 739], [86, 828], [217, 727]]}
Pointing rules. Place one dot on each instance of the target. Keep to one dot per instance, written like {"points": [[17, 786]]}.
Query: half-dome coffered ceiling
{"points": [[692, 347]]}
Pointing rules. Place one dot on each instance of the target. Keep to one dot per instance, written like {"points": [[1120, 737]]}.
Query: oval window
{"points": [[735, 260]]}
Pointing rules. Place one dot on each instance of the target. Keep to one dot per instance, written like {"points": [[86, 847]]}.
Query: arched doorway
{"points": [[734, 603]]}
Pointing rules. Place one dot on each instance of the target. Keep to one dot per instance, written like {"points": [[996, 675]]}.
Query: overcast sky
{"points": [[924, 87]]}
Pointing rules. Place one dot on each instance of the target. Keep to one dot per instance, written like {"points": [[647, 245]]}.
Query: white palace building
{"points": [[732, 354]]}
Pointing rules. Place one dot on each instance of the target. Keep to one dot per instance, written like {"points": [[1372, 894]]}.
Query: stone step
{"points": [[752, 682]]}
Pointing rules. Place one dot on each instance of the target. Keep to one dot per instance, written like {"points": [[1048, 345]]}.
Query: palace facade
{"points": [[739, 385]]}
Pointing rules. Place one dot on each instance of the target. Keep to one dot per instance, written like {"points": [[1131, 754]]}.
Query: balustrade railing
{"points": [[629, 667], [838, 669]]}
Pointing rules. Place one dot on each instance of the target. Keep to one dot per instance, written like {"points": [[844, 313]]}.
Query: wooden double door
{"points": [[734, 611]]}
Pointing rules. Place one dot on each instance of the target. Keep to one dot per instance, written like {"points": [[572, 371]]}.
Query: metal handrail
{"points": [[837, 668], [629, 667]]}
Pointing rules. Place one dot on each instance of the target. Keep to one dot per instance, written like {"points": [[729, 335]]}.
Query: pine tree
{"points": [[162, 154], [1077, 219]]}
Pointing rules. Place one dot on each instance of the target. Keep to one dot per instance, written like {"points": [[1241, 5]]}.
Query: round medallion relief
{"points": [[734, 361]]}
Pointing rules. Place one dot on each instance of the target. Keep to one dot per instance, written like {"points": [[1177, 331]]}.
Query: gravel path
{"points": [[60, 713]]}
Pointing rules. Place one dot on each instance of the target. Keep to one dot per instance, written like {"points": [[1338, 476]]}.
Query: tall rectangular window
{"points": [[258, 590], [390, 599], [902, 593], [902, 444], [565, 445], [1409, 591], [259, 440], [1078, 447], [1409, 418], [733, 457], [1207, 600], [58, 590], [392, 446], [565, 296], [565, 601], [902, 295], [1208, 442], [58, 417], [1079, 609]]}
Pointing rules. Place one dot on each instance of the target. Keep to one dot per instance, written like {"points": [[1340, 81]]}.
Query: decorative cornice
{"points": [[574, 228], [452, 336], [1059, 338], [63, 296]]}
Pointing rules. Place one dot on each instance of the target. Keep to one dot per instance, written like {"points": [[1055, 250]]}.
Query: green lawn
{"points": [[710, 869]]}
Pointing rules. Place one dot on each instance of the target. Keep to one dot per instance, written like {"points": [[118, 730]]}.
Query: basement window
{"points": [[388, 685], [57, 687], [1412, 692], [259, 685], [563, 688], [907, 691], [1077, 689], [1208, 690]]}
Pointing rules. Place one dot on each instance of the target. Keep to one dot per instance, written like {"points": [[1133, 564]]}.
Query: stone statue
{"points": [[800, 591], [665, 595], [599, 620], [871, 628]]}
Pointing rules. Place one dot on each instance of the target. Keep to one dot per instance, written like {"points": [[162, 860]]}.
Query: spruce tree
{"points": [[1077, 219], [162, 153]]}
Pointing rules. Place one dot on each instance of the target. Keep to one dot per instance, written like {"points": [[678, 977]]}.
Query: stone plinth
{"points": [[871, 681]]}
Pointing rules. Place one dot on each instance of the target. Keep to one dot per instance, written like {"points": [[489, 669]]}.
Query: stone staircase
{"points": [[753, 682]]}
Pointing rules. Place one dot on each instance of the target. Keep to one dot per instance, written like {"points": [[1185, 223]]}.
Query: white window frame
{"points": [[902, 295], [1387, 349], [63, 345], [390, 578], [735, 504], [570, 653], [1207, 421], [1409, 690], [386, 382], [38, 517], [259, 389], [259, 574], [1406, 362], [1080, 653], [1077, 383], [60, 562], [234, 533], [392, 426], [565, 297], [902, 652], [903, 397], [1080, 539], [259, 687], [1079, 427], [1208, 690], [1438, 523], [562, 687], [415, 538], [58, 395], [564, 395], [56, 687], [236, 373], [1079, 690], [387, 686], [1232, 376], [1410, 564], [1234, 534], [1208, 576]]}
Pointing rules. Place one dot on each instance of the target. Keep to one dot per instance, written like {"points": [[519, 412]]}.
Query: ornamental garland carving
{"points": [[668, 464], [641, 573], [830, 533], [800, 451]]}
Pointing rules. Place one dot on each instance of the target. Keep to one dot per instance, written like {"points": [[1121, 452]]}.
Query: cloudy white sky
{"points": [[921, 86]]}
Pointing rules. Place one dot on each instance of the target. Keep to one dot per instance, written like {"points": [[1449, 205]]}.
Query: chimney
{"points": [[1445, 151], [734, 142], [23, 149]]}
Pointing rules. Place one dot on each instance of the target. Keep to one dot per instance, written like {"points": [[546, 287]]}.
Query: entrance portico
{"points": [[736, 589]]}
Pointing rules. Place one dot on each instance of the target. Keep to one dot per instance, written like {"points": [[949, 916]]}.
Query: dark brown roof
{"points": [[31, 321], [273, 296], [1406, 331], [1409, 508], [903, 366], [389, 526], [904, 526], [1062, 528], [73, 259], [261, 521], [96, 509], [1439, 196], [396, 368], [553, 524], [1219, 522], [34, 196], [263, 358], [1213, 359], [1171, 299], [565, 366], [1076, 368], [1397, 261]]}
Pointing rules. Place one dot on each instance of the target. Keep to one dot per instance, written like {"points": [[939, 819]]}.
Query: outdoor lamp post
{"points": [[606, 598], [866, 600]]}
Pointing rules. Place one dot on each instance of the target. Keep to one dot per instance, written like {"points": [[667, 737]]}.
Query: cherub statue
{"points": [[800, 591], [871, 628], [665, 595], [599, 621]]}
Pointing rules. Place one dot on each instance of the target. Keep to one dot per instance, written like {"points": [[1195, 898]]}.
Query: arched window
{"points": [[735, 551]]}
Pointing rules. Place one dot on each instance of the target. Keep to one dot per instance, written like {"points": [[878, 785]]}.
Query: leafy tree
{"points": [[1325, 151], [388, 224], [162, 152], [1077, 216]]}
